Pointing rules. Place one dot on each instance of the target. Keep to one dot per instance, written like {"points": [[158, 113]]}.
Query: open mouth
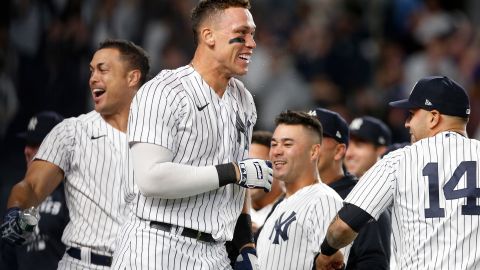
{"points": [[245, 57], [98, 92]]}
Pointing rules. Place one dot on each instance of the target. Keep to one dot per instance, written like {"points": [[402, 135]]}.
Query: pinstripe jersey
{"points": [[433, 189], [91, 154], [179, 111], [292, 235]]}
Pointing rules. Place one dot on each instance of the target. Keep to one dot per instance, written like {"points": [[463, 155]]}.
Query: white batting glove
{"points": [[256, 173]]}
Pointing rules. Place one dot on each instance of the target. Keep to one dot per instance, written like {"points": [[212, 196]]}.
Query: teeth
{"points": [[245, 57], [98, 92]]}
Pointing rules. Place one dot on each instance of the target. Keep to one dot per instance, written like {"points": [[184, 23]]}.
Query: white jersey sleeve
{"points": [[58, 145], [379, 183], [154, 114]]}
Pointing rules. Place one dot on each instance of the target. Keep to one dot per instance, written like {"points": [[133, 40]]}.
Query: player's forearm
{"points": [[23, 196], [172, 180], [339, 234], [157, 176], [41, 179]]}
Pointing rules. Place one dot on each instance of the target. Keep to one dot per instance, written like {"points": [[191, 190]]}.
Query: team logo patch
{"points": [[281, 228]]}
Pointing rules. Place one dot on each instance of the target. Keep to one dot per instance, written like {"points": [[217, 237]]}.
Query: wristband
{"points": [[326, 249], [227, 174]]}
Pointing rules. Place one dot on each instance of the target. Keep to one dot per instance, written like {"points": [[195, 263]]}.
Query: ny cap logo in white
{"points": [[428, 103], [381, 140], [312, 113], [467, 112], [356, 123], [33, 123], [338, 134]]}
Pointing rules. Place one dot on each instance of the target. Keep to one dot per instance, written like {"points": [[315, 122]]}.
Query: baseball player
{"points": [[189, 130], [431, 186], [369, 139], [262, 201], [291, 236], [88, 152], [371, 249], [44, 248]]}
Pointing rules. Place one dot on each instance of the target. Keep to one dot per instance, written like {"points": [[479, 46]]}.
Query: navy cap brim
{"points": [[403, 104]]}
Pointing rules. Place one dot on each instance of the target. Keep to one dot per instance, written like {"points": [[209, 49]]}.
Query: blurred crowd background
{"points": [[351, 56]]}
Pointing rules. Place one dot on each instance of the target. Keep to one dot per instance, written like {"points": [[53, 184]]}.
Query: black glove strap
{"points": [[227, 174]]}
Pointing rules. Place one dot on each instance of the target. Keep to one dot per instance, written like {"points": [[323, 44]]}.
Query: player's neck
{"points": [[210, 73], [294, 186], [118, 121], [331, 175]]}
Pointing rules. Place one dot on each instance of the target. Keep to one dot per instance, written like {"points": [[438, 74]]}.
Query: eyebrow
{"points": [[99, 65], [244, 27], [283, 140]]}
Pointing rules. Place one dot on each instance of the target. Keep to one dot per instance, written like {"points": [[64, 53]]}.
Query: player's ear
{"points": [[207, 35], [340, 151], [133, 77], [434, 118], [315, 152]]}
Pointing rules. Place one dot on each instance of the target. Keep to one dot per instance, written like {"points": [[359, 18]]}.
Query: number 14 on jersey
{"points": [[471, 192]]}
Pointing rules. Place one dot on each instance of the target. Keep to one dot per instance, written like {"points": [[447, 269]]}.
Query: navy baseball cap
{"points": [[437, 93], [371, 129], [334, 126], [39, 126]]}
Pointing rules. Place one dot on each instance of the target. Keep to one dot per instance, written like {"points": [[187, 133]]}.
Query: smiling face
{"points": [[361, 155], [291, 153], [233, 43], [109, 82]]}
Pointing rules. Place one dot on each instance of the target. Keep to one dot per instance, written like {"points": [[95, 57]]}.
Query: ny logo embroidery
{"points": [[281, 227], [242, 128]]}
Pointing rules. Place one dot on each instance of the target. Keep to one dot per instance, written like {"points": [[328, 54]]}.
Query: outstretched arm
{"points": [[41, 179], [341, 232], [157, 176]]}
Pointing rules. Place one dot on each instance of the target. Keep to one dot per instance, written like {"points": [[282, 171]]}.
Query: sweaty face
{"points": [[108, 82], [290, 152], [360, 157], [233, 32], [417, 124]]}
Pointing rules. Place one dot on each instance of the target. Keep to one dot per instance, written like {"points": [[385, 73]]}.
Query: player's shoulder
{"points": [[239, 88], [167, 78], [321, 192]]}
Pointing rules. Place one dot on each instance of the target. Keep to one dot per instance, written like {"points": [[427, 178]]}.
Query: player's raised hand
{"points": [[256, 173], [10, 229], [247, 259]]}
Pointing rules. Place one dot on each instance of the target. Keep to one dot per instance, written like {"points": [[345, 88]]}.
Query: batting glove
{"points": [[256, 173], [10, 230], [247, 259]]}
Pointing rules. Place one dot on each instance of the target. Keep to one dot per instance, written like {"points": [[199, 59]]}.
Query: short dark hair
{"points": [[206, 8], [131, 53], [262, 137], [300, 118]]}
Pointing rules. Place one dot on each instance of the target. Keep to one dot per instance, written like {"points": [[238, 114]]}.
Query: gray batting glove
{"points": [[255, 173]]}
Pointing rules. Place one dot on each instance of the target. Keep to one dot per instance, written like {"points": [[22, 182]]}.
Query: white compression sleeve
{"points": [[157, 176]]}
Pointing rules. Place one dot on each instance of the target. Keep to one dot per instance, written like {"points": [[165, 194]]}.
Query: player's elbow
{"points": [[148, 185]]}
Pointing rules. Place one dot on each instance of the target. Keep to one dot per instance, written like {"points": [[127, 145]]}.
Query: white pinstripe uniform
{"points": [[179, 111], [292, 235], [433, 187], [91, 154]]}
